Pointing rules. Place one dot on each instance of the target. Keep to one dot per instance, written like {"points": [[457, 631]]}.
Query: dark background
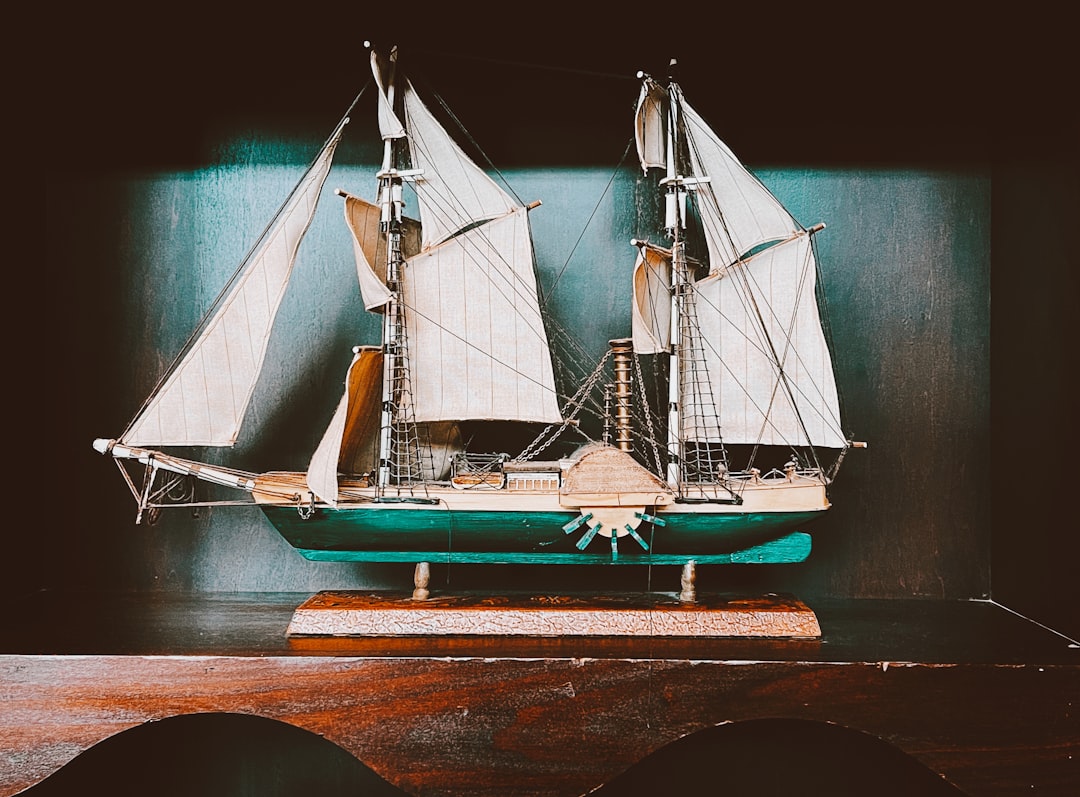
{"points": [[965, 491]]}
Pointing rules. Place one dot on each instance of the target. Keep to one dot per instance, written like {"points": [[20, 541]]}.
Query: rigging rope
{"points": [[535, 447], [596, 207]]}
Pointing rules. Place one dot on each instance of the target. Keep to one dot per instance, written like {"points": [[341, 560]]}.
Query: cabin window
{"points": [[535, 482]]}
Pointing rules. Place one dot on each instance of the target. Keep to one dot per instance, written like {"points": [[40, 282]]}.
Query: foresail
{"points": [[737, 211], [348, 445], [755, 319], [452, 191], [477, 344], [203, 399]]}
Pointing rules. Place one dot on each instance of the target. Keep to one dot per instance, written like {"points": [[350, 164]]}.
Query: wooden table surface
{"points": [[979, 695]]}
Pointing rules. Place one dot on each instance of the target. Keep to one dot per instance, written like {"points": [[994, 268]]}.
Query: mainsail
{"points": [[769, 366], [202, 400], [478, 348], [754, 316]]}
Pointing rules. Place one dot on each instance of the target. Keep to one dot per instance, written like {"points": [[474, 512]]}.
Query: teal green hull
{"points": [[376, 534]]}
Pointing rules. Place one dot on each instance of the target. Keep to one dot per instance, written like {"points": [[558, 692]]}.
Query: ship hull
{"points": [[396, 533]]}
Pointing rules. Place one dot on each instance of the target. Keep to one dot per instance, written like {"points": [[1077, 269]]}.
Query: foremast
{"points": [[399, 453]]}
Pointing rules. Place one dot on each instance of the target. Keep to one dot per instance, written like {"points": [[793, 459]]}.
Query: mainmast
{"points": [[675, 222]]}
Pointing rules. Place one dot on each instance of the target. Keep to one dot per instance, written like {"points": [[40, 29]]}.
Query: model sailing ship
{"points": [[466, 356]]}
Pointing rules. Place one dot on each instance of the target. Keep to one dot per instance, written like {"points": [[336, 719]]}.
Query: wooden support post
{"points": [[421, 577], [689, 574]]}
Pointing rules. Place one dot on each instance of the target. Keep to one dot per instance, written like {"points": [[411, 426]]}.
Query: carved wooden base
{"points": [[383, 614]]}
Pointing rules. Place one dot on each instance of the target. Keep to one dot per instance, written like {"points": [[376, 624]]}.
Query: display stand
{"points": [[653, 614], [375, 614]]}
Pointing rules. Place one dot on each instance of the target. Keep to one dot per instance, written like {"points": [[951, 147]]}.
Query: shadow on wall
{"points": [[779, 757], [215, 755]]}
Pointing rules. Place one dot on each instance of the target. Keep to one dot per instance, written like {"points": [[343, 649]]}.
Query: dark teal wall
{"points": [[926, 153], [906, 265]]}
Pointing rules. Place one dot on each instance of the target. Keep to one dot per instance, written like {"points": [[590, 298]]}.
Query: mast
{"points": [[399, 450], [692, 410], [746, 348], [674, 220]]}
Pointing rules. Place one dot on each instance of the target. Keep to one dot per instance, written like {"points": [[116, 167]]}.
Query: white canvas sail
{"points": [[650, 132], [322, 473], [756, 318], [651, 313], [362, 219], [383, 69], [203, 399], [478, 349], [477, 344], [369, 249], [452, 191], [737, 211], [348, 443]]}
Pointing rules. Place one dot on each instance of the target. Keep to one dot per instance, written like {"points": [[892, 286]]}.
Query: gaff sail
{"points": [[769, 366], [349, 443]]}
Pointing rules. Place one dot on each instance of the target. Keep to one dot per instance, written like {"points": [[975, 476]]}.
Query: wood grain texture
{"points": [[969, 689], [554, 726]]}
